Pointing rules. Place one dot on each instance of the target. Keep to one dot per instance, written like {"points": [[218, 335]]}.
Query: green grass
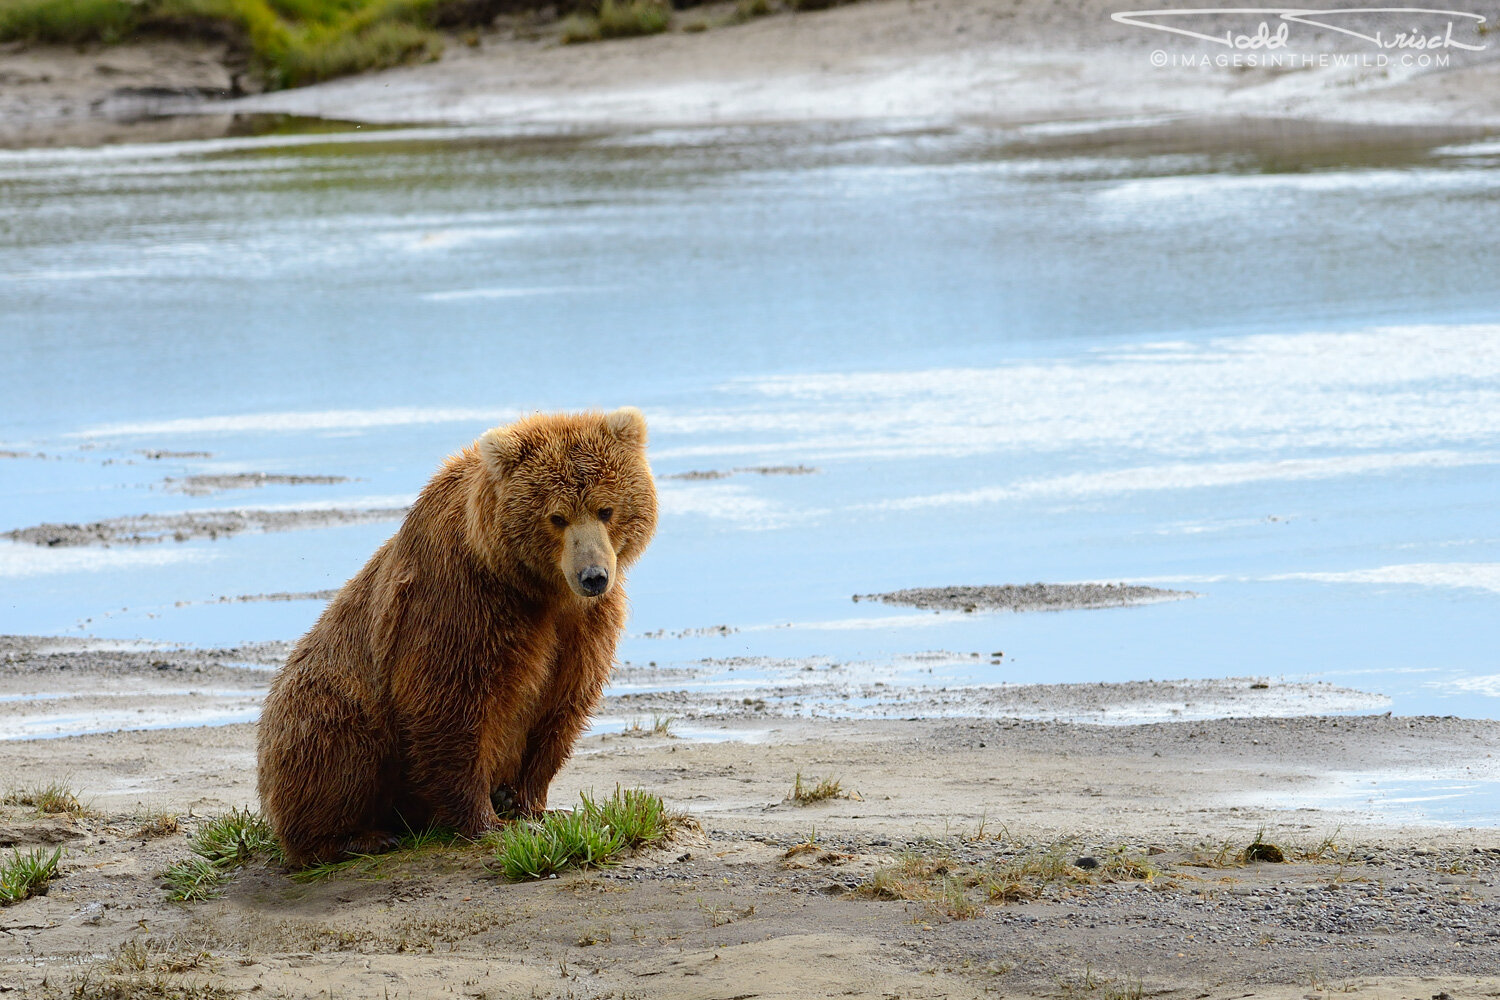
{"points": [[195, 879], [26, 875], [618, 19], [289, 42], [236, 838], [66, 22], [368, 866], [747, 10], [220, 846], [588, 837]]}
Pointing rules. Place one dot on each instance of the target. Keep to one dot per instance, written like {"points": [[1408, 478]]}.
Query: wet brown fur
{"points": [[460, 662]]}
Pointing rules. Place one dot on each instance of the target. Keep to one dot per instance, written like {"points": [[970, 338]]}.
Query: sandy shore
{"points": [[1390, 912], [918, 62], [1394, 910]]}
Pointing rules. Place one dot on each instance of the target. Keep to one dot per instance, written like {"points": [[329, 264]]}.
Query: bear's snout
{"points": [[593, 581], [588, 559]]}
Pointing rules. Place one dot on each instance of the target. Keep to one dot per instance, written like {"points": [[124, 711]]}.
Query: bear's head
{"points": [[569, 497]]}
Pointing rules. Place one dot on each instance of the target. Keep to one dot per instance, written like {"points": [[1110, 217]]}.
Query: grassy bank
{"points": [[288, 42]]}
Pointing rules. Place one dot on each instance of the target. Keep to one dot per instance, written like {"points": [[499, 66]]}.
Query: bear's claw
{"points": [[374, 842]]}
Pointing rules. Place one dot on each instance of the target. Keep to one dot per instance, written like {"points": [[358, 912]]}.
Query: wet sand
{"points": [[1388, 907], [61, 687], [1384, 910]]}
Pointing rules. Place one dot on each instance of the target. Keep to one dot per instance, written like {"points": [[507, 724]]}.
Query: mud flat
{"points": [[695, 475], [145, 529], [59, 687], [1028, 597], [209, 483], [63, 687]]}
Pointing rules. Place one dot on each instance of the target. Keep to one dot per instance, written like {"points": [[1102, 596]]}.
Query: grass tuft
{"points": [[618, 19], [558, 842], [1260, 850], [807, 794], [140, 985], [1225, 856], [26, 875], [56, 797], [580, 28], [951, 889], [1326, 849], [661, 725], [588, 837], [748, 10], [194, 879], [909, 876], [220, 846], [236, 838], [628, 18], [158, 824]]}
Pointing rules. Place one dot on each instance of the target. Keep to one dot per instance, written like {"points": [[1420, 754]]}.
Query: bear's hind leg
{"points": [[323, 775]]}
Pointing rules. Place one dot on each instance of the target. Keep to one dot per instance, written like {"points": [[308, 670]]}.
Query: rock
{"points": [[44, 830], [91, 914]]}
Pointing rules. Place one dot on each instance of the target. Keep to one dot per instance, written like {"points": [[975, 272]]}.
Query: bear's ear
{"points": [[627, 424], [500, 447]]}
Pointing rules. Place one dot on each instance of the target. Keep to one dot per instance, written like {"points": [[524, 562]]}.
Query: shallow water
{"points": [[1453, 799], [1270, 377]]}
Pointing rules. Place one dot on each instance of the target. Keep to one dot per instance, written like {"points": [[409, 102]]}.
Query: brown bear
{"points": [[459, 666]]}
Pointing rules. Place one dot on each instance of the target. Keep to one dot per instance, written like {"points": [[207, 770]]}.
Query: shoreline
{"points": [[904, 63], [62, 687], [1167, 783], [1221, 749]]}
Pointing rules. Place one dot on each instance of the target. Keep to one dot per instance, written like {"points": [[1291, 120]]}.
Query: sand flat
{"points": [[1395, 907]]}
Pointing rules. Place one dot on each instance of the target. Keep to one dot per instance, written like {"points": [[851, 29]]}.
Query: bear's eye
{"points": [[605, 513], [558, 521]]}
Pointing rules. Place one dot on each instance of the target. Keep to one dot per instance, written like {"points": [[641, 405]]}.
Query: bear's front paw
{"points": [[505, 802], [530, 808], [372, 842], [479, 824]]}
